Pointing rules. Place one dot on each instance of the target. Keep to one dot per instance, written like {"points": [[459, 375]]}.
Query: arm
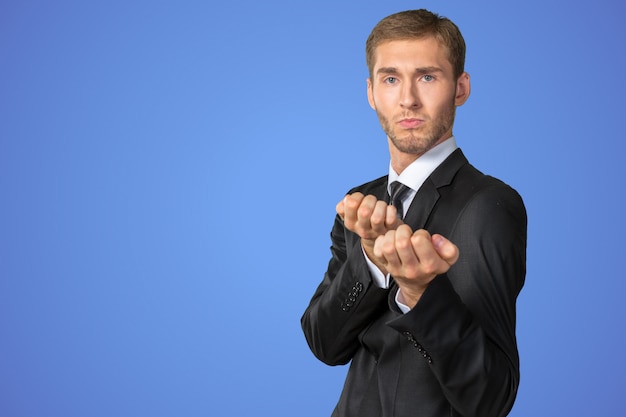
{"points": [[464, 319], [347, 300], [344, 303]]}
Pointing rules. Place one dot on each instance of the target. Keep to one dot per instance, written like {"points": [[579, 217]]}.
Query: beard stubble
{"points": [[419, 140]]}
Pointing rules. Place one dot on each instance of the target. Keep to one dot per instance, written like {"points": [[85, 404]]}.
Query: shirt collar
{"points": [[416, 173]]}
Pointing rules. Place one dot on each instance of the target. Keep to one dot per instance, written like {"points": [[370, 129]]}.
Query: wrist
{"points": [[368, 250], [410, 297]]}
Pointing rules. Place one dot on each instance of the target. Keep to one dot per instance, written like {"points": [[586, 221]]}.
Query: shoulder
{"points": [[473, 198], [470, 184], [375, 187], [488, 201]]}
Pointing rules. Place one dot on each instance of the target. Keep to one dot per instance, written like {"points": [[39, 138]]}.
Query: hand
{"points": [[369, 218], [414, 259], [366, 216]]}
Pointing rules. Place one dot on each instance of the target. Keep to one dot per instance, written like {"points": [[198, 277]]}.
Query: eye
{"points": [[390, 80], [428, 78]]}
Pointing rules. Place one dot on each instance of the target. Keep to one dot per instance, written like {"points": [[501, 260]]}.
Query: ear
{"points": [[370, 94], [462, 89]]}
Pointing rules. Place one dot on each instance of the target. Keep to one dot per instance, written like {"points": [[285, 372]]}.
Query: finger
{"points": [[351, 204], [378, 248], [447, 250], [378, 218], [391, 218], [421, 242], [366, 208], [384, 249], [404, 247], [364, 218], [341, 209], [429, 260]]}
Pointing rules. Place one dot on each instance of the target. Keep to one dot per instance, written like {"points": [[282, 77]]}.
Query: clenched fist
{"points": [[369, 218], [414, 259]]}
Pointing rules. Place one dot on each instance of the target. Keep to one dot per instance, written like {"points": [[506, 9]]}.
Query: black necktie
{"points": [[398, 190]]}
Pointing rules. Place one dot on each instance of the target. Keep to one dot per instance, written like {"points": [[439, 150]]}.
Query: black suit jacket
{"points": [[455, 352]]}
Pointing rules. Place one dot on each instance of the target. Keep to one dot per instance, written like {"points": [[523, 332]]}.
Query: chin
{"points": [[413, 145]]}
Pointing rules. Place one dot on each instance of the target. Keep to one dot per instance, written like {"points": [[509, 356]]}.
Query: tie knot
{"points": [[398, 190]]}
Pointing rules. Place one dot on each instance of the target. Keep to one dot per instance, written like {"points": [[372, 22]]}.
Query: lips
{"points": [[410, 123]]}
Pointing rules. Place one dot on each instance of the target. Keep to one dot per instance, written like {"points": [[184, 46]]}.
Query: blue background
{"points": [[150, 264]]}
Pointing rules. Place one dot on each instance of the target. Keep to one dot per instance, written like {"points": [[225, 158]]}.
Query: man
{"points": [[420, 294]]}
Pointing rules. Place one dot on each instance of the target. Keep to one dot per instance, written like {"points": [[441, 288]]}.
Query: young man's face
{"points": [[415, 93]]}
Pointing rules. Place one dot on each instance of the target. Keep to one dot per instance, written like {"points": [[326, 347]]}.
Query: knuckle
{"points": [[403, 244], [412, 271], [429, 269], [376, 219], [363, 211], [388, 247]]}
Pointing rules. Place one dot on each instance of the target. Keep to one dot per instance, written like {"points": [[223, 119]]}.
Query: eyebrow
{"points": [[420, 70]]}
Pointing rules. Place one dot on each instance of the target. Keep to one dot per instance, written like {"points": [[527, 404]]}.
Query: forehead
{"points": [[415, 53]]}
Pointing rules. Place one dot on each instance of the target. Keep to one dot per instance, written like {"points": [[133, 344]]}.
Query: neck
{"points": [[400, 160]]}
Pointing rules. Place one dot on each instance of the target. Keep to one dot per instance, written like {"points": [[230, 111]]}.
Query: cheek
{"points": [[439, 100], [385, 99]]}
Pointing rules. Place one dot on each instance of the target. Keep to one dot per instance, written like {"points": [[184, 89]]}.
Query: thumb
{"points": [[446, 249], [340, 208]]}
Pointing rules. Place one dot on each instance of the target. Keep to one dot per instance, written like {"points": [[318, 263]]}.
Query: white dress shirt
{"points": [[413, 177]]}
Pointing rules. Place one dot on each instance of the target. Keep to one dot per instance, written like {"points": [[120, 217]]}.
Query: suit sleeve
{"points": [[346, 301], [465, 321]]}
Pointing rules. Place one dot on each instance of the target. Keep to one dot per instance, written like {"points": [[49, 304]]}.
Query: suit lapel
{"points": [[422, 205]]}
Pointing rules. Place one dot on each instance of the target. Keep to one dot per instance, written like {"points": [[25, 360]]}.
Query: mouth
{"points": [[410, 123]]}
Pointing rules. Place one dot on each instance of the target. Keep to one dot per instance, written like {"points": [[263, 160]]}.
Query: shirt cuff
{"points": [[382, 281], [403, 307]]}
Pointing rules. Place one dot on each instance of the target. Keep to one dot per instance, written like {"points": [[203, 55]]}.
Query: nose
{"points": [[410, 95]]}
